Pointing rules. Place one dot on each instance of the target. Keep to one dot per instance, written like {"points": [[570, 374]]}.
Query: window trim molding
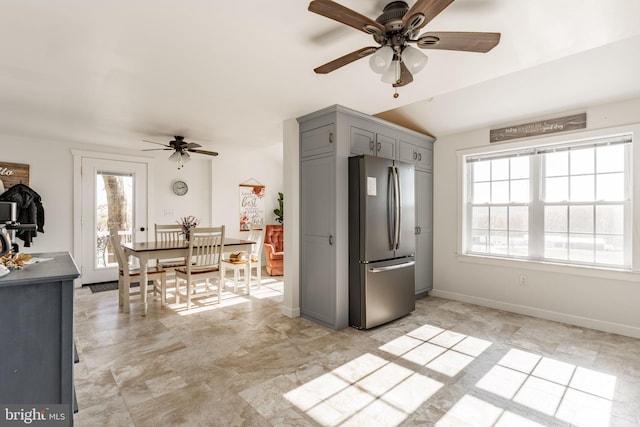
{"points": [[462, 196]]}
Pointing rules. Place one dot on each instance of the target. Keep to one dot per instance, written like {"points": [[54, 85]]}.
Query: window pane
{"points": [[610, 187], [498, 218], [481, 171], [481, 193], [480, 217], [555, 219], [581, 247], [610, 219], [581, 219], [498, 242], [556, 189], [519, 218], [582, 188], [500, 192], [500, 169], [612, 252], [520, 167], [582, 161], [555, 246], [479, 240], [518, 243], [520, 191], [610, 158], [556, 164]]}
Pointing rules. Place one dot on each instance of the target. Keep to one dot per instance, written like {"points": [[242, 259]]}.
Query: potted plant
{"points": [[280, 211]]}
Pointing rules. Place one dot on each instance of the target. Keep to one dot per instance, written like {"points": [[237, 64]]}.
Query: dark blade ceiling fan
{"points": [[181, 149], [394, 30]]}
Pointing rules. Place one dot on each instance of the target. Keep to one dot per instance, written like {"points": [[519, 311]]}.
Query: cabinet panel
{"points": [[407, 152], [317, 141], [318, 210], [424, 158], [362, 141], [424, 233], [385, 146]]}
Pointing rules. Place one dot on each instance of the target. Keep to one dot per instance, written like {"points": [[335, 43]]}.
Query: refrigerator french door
{"points": [[381, 240]]}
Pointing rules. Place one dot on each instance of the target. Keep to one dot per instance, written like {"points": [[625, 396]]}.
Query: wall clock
{"points": [[180, 188]]}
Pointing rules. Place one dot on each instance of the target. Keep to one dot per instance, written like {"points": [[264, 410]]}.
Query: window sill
{"points": [[576, 270]]}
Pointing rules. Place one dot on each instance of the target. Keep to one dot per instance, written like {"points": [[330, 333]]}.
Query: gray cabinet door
{"points": [[424, 159], [318, 266], [424, 231], [317, 141], [362, 141], [385, 146], [407, 152]]}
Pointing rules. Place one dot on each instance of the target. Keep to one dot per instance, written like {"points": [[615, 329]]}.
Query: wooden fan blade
{"points": [[208, 153], [157, 149], [429, 8], [153, 142], [405, 76], [344, 60], [192, 145], [468, 42], [344, 15]]}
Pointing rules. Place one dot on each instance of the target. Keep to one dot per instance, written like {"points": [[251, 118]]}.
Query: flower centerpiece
{"points": [[187, 223]]}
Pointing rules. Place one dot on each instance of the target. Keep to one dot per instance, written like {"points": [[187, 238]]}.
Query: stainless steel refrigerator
{"points": [[381, 240]]}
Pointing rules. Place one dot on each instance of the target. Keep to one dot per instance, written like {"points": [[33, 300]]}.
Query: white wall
{"points": [[212, 196], [598, 299]]}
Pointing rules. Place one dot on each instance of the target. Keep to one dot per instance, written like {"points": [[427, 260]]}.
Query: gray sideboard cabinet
{"points": [[328, 137], [36, 332]]}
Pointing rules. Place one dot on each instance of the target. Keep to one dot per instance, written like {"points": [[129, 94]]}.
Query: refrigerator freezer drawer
{"points": [[387, 292]]}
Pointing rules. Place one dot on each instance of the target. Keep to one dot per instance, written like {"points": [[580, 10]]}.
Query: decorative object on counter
{"points": [[180, 188], [14, 261], [251, 203], [29, 210], [280, 211], [187, 223]]}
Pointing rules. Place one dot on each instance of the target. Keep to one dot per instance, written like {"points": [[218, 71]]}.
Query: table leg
{"points": [[143, 283]]}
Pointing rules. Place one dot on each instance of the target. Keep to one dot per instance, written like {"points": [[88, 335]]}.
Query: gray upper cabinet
{"points": [[327, 138], [419, 155], [371, 143]]}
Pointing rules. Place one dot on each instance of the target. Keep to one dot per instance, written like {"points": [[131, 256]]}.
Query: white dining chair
{"points": [[205, 255], [128, 275], [252, 261]]}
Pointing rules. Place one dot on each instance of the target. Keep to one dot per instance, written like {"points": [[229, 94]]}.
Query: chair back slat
{"points": [[116, 244], [206, 246], [256, 234]]}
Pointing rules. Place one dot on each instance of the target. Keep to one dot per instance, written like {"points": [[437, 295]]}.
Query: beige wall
{"points": [[603, 300]]}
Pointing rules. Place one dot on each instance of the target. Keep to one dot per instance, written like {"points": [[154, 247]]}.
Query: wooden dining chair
{"points": [[252, 261], [205, 255], [170, 234], [128, 275]]}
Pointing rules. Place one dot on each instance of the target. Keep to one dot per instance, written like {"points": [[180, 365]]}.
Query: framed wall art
{"points": [[252, 203]]}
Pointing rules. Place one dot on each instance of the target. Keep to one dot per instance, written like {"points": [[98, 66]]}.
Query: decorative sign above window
{"points": [[12, 174], [542, 127], [251, 204]]}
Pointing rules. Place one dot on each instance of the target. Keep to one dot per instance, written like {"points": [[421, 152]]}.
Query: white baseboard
{"points": [[585, 322], [291, 312]]}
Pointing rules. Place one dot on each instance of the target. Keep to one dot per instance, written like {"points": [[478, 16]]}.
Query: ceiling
{"points": [[226, 74]]}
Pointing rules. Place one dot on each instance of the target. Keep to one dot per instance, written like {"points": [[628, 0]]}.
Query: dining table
{"points": [[144, 251]]}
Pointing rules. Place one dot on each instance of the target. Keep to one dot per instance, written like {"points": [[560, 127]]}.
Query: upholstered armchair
{"points": [[274, 249]]}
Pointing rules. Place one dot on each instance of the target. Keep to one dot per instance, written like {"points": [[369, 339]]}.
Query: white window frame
{"points": [[576, 137]]}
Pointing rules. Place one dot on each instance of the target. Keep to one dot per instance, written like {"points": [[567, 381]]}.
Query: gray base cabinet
{"points": [[36, 333], [328, 137]]}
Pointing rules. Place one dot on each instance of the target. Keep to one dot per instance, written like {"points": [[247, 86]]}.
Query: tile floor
{"points": [[242, 363]]}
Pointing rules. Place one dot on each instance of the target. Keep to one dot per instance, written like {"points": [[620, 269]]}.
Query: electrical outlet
{"points": [[168, 212], [522, 280]]}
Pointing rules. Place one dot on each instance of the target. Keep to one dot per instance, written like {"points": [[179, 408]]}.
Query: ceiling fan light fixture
{"points": [[414, 60], [379, 62], [176, 156], [392, 73]]}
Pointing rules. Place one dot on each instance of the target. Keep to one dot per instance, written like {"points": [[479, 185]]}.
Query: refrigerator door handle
{"points": [[392, 267], [397, 212], [391, 208]]}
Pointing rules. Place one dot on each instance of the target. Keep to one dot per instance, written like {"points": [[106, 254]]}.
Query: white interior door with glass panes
{"points": [[113, 194]]}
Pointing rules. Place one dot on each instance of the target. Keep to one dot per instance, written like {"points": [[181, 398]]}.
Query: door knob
{"points": [[142, 229]]}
